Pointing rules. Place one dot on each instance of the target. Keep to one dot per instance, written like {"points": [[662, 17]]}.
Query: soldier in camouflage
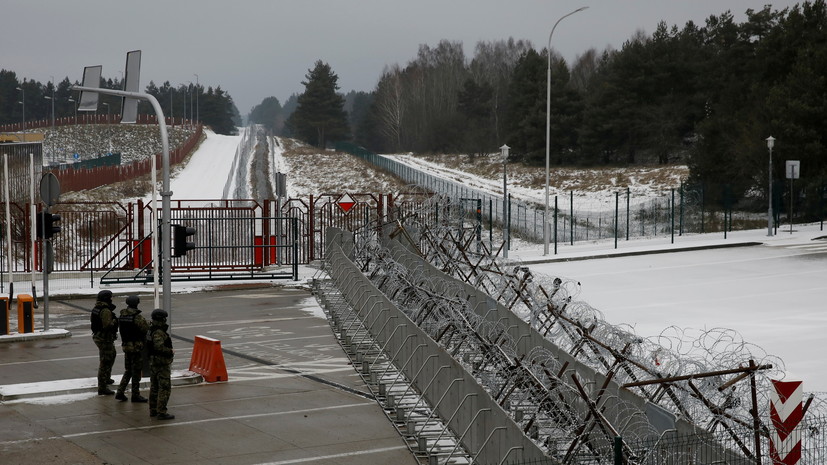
{"points": [[160, 360], [133, 328], [104, 333]]}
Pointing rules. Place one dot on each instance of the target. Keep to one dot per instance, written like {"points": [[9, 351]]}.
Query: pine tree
{"points": [[320, 116]]}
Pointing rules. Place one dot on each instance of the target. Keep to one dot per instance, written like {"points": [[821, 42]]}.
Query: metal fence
{"points": [[573, 218]]}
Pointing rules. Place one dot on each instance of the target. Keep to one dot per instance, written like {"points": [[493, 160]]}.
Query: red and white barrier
{"points": [[785, 413]]}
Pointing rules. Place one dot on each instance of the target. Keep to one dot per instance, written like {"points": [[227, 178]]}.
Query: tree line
{"points": [[212, 106], [705, 95]]}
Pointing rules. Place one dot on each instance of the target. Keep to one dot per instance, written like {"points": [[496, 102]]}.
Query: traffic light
{"points": [[46, 224], [180, 245]]}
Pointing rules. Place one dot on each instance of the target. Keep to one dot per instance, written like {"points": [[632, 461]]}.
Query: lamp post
{"points": [[197, 91], [23, 102], [770, 144], [548, 126], [76, 109], [52, 98], [504, 149]]}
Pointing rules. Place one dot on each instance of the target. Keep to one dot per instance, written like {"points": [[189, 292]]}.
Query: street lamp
{"points": [[196, 98], [23, 102], [548, 126], [52, 98], [770, 144], [504, 149], [70, 99]]}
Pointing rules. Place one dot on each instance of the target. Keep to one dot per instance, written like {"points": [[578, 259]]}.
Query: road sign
{"points": [[793, 169], [346, 202], [786, 413], [49, 189]]}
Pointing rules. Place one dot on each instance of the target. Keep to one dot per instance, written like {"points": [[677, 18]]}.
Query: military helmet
{"points": [[159, 314], [133, 301], [105, 296]]}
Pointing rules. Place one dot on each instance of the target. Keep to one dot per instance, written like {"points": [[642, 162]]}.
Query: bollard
{"points": [[366, 369], [4, 315], [25, 313], [422, 444], [400, 415]]}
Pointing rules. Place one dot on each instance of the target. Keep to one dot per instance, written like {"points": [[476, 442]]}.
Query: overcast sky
{"points": [[259, 48]]}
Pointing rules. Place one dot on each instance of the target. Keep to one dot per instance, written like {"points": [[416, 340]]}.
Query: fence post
{"points": [[555, 225], [617, 208], [571, 212], [295, 249], [680, 223], [672, 210], [628, 202], [618, 449]]}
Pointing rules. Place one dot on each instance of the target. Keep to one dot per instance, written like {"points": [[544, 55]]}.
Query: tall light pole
{"points": [[23, 102], [548, 126], [504, 150], [71, 99], [197, 91], [52, 98], [770, 144]]}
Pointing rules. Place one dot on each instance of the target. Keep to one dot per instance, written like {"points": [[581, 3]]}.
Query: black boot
{"points": [[139, 398], [120, 396], [105, 392], [165, 416]]}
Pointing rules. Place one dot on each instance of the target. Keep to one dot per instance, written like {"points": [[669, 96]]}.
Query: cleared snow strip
{"points": [[336, 456], [206, 172], [311, 306]]}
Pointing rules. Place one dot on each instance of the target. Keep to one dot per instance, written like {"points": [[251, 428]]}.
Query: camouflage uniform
{"points": [[133, 328], [104, 333], [161, 355]]}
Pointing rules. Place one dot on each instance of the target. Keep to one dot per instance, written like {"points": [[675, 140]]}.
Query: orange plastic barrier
{"points": [[25, 313], [208, 360], [4, 315]]}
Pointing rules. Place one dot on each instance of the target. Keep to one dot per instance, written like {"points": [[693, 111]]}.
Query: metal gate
{"points": [[231, 235]]}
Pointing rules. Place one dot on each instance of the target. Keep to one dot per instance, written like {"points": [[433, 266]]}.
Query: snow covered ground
{"points": [[774, 295]]}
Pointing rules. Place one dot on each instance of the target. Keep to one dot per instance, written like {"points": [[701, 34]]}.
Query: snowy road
{"points": [[206, 172], [774, 295]]}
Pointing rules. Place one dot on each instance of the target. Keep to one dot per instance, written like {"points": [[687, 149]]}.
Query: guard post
{"points": [[25, 313], [4, 315]]}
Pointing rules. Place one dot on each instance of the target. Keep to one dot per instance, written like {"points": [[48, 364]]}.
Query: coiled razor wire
{"points": [[704, 388]]}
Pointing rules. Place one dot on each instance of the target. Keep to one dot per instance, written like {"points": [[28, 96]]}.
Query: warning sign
{"points": [[346, 202]]}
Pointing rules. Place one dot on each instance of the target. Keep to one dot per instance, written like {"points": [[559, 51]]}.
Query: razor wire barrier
{"points": [[570, 380], [467, 413]]}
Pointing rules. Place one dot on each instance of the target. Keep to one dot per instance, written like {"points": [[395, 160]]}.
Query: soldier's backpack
{"points": [[128, 329], [97, 324]]}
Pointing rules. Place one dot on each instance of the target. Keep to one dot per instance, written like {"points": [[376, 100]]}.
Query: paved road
{"points": [[291, 398]]}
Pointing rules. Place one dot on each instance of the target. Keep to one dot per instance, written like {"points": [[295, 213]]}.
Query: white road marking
{"points": [[187, 423], [336, 456]]}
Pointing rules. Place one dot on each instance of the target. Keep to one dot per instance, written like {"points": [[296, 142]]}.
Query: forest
{"points": [[706, 95], [212, 106]]}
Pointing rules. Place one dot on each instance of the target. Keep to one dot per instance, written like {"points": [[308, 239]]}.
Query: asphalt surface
{"points": [[292, 396]]}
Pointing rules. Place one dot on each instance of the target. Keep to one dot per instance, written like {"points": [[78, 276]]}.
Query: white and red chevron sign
{"points": [[786, 413]]}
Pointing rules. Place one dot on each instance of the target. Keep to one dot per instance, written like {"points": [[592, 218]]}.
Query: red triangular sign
{"points": [[346, 202]]}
